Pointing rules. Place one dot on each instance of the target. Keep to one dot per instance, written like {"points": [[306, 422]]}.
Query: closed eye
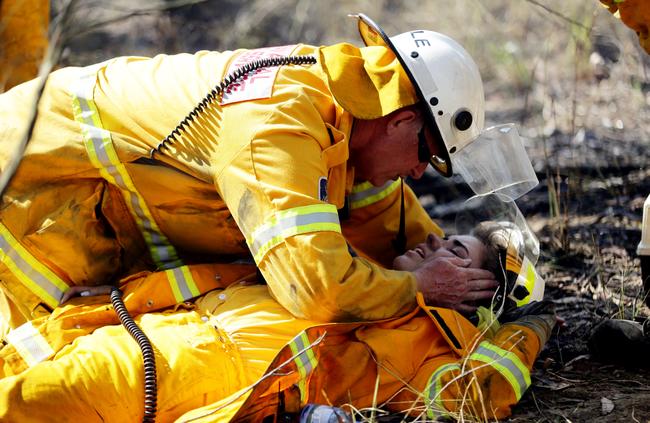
{"points": [[460, 249], [459, 252]]}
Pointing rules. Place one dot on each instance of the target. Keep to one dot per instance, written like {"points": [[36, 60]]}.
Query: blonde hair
{"points": [[497, 237]]}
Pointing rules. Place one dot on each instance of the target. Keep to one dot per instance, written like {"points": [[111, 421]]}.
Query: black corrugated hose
{"points": [[148, 356]]}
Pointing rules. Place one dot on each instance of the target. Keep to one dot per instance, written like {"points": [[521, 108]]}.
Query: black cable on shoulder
{"points": [[148, 356], [216, 93]]}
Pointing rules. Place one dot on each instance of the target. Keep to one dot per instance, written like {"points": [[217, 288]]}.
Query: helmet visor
{"points": [[509, 231], [496, 162]]}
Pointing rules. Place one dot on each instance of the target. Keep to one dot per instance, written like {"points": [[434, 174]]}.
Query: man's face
{"points": [[463, 246], [392, 152]]}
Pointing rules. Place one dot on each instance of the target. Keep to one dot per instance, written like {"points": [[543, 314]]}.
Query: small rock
{"points": [[620, 341], [606, 405]]}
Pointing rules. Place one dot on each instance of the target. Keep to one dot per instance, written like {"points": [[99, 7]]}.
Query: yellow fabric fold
{"points": [[368, 82]]}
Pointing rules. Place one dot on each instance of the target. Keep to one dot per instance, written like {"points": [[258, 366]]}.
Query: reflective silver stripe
{"points": [[506, 363], [365, 193], [182, 284], [101, 151], [40, 280], [30, 344], [433, 392], [286, 223], [305, 360]]}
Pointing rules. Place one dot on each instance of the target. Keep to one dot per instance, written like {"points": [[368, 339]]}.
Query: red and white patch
{"points": [[257, 84]]}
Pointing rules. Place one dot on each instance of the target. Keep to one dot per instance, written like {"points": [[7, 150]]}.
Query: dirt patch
{"points": [[583, 390]]}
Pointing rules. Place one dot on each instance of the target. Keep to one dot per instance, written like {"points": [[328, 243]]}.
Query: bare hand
{"points": [[86, 291], [449, 282]]}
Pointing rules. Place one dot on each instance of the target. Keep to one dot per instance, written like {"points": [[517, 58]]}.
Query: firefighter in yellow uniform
{"points": [[290, 163], [240, 355], [217, 363]]}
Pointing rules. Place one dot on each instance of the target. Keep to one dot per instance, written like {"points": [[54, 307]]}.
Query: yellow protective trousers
{"points": [[42, 338], [199, 359], [242, 357], [264, 174]]}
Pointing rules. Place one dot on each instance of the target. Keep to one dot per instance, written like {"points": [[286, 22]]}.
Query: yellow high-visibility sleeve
{"points": [[486, 382], [271, 186]]}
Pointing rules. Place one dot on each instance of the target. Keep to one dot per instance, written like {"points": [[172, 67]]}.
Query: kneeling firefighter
{"points": [[288, 160]]}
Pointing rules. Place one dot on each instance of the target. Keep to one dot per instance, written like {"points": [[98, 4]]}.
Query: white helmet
{"points": [[446, 80]]}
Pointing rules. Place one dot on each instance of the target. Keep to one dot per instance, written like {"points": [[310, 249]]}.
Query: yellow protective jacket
{"points": [[266, 174], [241, 356]]}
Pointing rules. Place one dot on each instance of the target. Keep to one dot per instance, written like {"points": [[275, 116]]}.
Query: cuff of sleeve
{"points": [[541, 324]]}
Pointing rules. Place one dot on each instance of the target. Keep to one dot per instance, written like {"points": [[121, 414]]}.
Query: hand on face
{"points": [[448, 272], [462, 246]]}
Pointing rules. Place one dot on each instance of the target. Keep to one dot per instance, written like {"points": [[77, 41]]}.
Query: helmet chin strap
{"points": [[399, 243], [438, 160]]}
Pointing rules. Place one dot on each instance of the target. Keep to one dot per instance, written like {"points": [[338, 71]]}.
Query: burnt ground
{"points": [[592, 274]]}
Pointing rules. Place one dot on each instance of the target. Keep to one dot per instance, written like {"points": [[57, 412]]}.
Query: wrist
{"points": [[541, 324]]}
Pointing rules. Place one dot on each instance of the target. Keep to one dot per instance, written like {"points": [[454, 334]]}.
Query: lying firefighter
{"points": [[238, 354]]}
